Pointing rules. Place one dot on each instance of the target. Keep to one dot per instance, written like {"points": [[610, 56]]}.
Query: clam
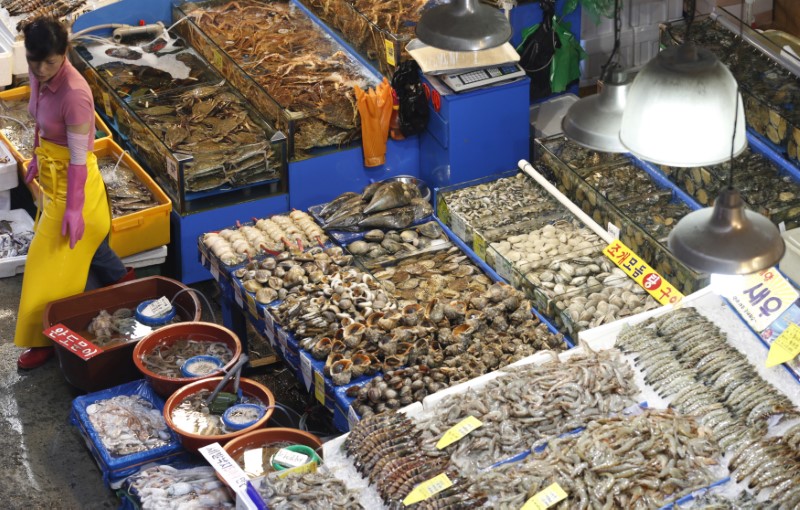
{"points": [[431, 230], [375, 235], [409, 236], [251, 286], [359, 247], [266, 295]]}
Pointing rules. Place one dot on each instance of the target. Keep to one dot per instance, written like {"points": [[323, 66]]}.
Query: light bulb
{"points": [[726, 285]]}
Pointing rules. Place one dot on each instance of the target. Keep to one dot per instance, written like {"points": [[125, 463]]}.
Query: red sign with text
{"points": [[72, 341]]}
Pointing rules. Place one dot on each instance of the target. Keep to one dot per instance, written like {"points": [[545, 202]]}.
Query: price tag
{"points": [[442, 212], [214, 271], [73, 342], [172, 168], [428, 489], [390, 56], [319, 387], [765, 297], [237, 294], [157, 308], [311, 467], [254, 462], [216, 59], [289, 458], [107, 105], [227, 468], [479, 245], [459, 226], [503, 267], [352, 417], [269, 328], [251, 305], [786, 347], [613, 230], [642, 273], [307, 370], [280, 334], [546, 498], [457, 432]]}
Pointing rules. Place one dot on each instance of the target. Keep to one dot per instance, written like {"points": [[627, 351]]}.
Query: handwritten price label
{"points": [[390, 56], [311, 467], [479, 245], [307, 370], [428, 489], [546, 498], [72, 341], [642, 273], [786, 347], [457, 432], [319, 387], [765, 297], [442, 211]]}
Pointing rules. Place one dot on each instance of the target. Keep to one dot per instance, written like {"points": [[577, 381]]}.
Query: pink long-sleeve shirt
{"points": [[65, 100]]}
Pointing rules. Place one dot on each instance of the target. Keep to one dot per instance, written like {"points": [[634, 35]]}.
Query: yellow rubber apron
{"points": [[54, 271]]}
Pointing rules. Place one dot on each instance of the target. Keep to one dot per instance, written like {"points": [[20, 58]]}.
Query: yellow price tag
{"points": [[428, 489], [216, 59], [457, 432], [479, 245], [762, 297], [319, 387], [251, 305], [107, 105], [642, 273], [390, 56], [786, 347], [443, 212], [546, 498], [311, 467]]}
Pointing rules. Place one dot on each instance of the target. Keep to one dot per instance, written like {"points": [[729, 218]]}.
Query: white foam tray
{"points": [[20, 221], [8, 169], [147, 258]]}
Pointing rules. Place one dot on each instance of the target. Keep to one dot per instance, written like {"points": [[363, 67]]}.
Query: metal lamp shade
{"points": [[727, 239], [594, 121], [680, 110], [463, 25]]}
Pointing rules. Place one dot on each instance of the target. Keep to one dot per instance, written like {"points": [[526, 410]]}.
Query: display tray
{"points": [[769, 89], [18, 221], [643, 221], [768, 183], [304, 84], [200, 141]]}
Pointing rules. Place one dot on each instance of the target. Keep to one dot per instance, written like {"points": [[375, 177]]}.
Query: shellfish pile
{"points": [[287, 272], [498, 198], [391, 205], [381, 247], [295, 231], [128, 424], [309, 490], [165, 487], [597, 306], [446, 274], [578, 158], [689, 361], [529, 405], [642, 461]]}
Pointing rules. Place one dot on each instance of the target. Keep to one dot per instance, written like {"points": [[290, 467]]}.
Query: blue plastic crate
{"points": [[116, 468]]}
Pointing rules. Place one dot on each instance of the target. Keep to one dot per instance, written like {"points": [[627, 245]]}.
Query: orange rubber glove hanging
{"points": [[375, 109]]}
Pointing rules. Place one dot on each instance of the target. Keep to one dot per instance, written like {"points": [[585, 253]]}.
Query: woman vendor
{"points": [[71, 234]]}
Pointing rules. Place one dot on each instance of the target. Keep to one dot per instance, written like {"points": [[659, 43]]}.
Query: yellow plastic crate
{"points": [[22, 94], [140, 230]]}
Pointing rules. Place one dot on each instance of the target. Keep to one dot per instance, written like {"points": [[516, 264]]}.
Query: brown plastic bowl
{"points": [[165, 386], [114, 365], [192, 441], [258, 438]]}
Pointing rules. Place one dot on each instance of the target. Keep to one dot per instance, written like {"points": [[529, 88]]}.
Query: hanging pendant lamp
{"points": [[594, 121], [463, 25], [726, 238]]}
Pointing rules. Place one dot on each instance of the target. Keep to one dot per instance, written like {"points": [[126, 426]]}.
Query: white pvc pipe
{"points": [[566, 202]]}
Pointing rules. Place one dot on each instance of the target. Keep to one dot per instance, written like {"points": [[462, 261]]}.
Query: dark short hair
{"points": [[45, 36]]}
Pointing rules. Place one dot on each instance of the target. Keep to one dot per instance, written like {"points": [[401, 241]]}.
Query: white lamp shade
{"points": [[594, 121], [680, 110]]}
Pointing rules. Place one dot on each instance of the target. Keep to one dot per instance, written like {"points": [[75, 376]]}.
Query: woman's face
{"points": [[45, 69]]}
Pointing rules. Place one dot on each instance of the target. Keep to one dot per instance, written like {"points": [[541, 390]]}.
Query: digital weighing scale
{"points": [[469, 80]]}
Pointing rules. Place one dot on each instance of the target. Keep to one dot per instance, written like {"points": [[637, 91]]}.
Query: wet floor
{"points": [[44, 462]]}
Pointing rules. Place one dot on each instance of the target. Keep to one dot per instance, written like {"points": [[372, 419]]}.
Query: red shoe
{"points": [[34, 357], [130, 275]]}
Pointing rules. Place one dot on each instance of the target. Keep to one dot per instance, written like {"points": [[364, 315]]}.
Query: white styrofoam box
{"points": [[546, 116], [147, 258], [790, 263], [645, 44], [5, 200], [8, 169], [598, 50], [20, 221]]}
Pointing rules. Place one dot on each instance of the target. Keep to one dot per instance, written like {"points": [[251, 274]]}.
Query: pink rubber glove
{"points": [[33, 166], [76, 196]]}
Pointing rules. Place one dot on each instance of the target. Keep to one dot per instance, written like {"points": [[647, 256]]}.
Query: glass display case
{"points": [[767, 75], [200, 139], [641, 204], [286, 63]]}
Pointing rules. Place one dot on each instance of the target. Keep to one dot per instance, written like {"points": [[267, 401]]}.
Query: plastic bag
{"points": [[413, 105], [375, 109]]}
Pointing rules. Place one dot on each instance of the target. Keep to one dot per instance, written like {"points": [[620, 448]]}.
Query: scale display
{"points": [[469, 80]]}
